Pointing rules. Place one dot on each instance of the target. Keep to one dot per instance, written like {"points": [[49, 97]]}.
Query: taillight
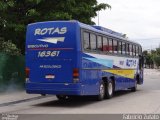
{"points": [[75, 75], [27, 72]]}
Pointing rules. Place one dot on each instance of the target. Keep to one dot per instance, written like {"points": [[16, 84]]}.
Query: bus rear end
{"points": [[51, 58]]}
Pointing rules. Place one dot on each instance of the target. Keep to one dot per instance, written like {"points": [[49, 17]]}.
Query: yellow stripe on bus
{"points": [[123, 73]]}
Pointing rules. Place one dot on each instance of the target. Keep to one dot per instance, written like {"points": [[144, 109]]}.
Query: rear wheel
{"points": [[101, 91], [72, 97], [61, 97], [109, 90], [43, 94]]}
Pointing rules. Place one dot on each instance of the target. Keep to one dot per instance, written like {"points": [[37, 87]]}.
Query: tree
{"points": [[148, 59], [9, 48], [16, 14], [145, 52], [152, 58], [157, 60], [158, 51], [157, 57]]}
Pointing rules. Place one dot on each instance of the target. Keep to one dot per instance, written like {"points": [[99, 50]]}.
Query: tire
{"points": [[134, 89], [109, 90], [72, 97], [101, 95], [61, 97], [43, 94]]}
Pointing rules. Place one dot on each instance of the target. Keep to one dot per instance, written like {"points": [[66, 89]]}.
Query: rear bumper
{"points": [[54, 88]]}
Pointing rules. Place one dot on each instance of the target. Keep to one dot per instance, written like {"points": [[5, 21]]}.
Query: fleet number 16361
{"points": [[48, 53]]}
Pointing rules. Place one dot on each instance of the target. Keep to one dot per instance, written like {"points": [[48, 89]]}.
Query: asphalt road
{"points": [[145, 100]]}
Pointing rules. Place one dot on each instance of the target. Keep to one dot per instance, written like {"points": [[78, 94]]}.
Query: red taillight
{"points": [[27, 72], [75, 72], [75, 75]]}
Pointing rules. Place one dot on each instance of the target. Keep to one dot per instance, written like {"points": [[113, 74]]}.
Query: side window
{"points": [[120, 47], [105, 44], [123, 48], [134, 50], [137, 51], [110, 45], [127, 48], [86, 40], [130, 50], [99, 43], [140, 50], [93, 41], [115, 46]]}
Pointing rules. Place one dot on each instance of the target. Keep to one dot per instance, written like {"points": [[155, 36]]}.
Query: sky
{"points": [[139, 19]]}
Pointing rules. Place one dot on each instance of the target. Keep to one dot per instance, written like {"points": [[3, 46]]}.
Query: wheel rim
{"points": [[110, 88], [102, 90]]}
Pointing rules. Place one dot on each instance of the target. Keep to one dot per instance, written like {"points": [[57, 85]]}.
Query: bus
{"points": [[70, 58]]}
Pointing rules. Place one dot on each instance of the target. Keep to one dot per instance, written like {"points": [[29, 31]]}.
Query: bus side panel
{"points": [[95, 67], [90, 81]]}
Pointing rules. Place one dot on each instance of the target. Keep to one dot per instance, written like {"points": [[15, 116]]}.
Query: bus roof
{"points": [[98, 29], [89, 27]]}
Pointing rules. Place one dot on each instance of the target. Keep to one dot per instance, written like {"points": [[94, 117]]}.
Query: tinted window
{"points": [[99, 43], [105, 44], [137, 51], [120, 47], [115, 46], [127, 48], [123, 48], [93, 41], [130, 50], [134, 50], [110, 45], [140, 50], [86, 40]]}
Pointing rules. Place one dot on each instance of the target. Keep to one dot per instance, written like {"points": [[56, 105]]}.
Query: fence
{"points": [[12, 74]]}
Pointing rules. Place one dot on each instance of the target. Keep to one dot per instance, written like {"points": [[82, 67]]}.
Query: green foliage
{"points": [[157, 60], [152, 57], [158, 51], [145, 52], [149, 60], [148, 57], [12, 75], [9, 48], [16, 14], [157, 57]]}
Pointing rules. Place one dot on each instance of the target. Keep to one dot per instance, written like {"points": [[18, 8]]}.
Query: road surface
{"points": [[145, 100]]}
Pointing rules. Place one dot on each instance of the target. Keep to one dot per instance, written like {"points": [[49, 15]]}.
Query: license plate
{"points": [[50, 76]]}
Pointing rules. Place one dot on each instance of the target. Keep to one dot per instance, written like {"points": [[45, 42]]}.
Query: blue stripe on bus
{"points": [[105, 62]]}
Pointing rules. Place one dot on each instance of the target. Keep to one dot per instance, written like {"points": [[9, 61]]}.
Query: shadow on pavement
{"points": [[74, 102], [83, 100], [124, 92]]}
